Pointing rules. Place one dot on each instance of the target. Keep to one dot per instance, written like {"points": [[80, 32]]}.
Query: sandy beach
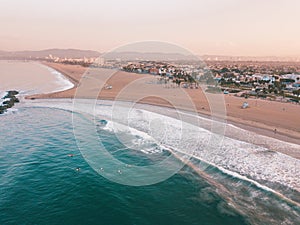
{"points": [[262, 117]]}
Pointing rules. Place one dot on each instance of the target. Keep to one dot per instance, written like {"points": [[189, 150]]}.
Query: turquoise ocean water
{"points": [[39, 183]]}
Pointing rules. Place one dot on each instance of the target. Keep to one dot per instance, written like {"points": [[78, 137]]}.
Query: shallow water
{"points": [[40, 185], [30, 78]]}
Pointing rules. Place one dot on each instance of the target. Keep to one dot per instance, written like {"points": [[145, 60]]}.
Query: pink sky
{"points": [[225, 27]]}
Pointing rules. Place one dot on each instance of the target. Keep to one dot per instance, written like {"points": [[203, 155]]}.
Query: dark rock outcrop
{"points": [[10, 100]]}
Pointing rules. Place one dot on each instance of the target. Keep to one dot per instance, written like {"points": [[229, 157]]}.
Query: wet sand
{"points": [[262, 117]]}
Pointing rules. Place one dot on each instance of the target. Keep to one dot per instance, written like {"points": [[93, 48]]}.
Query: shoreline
{"points": [[75, 72], [32, 77], [248, 160], [69, 78]]}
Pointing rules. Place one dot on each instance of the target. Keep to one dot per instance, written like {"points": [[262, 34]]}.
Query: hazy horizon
{"points": [[206, 27], [156, 52]]}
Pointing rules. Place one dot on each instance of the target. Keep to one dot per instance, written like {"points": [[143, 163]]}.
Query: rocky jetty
{"points": [[9, 101]]}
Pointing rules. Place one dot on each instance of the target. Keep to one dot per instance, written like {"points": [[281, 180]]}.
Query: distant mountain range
{"points": [[77, 53], [61, 53], [151, 56]]}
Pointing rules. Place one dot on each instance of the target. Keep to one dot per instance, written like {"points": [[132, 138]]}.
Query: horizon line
{"points": [[197, 54]]}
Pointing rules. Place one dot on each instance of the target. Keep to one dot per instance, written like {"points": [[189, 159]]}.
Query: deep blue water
{"points": [[39, 183]]}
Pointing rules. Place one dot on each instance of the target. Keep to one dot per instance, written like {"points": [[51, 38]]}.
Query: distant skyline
{"points": [[212, 27]]}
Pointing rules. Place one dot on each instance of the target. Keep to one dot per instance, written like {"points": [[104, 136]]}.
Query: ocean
{"points": [[40, 185], [50, 172]]}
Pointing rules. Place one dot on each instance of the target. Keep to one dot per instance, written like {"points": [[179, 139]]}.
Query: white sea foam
{"points": [[235, 157], [31, 78], [2, 94], [117, 127], [61, 81], [11, 110]]}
